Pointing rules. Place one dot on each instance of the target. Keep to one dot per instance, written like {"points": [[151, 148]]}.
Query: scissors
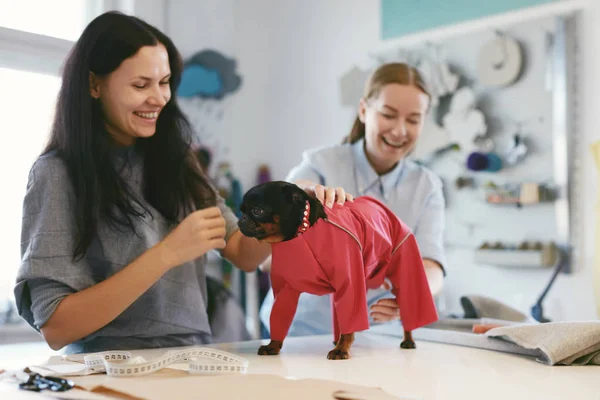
{"points": [[37, 383]]}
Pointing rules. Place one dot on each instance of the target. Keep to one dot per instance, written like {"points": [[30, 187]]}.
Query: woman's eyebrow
{"points": [[412, 114], [147, 78]]}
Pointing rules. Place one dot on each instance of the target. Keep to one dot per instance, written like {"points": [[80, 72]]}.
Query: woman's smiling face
{"points": [[133, 95], [393, 123]]}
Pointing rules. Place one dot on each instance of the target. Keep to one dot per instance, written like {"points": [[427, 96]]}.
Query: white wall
{"points": [[289, 97], [153, 11], [291, 55], [236, 30], [314, 43]]}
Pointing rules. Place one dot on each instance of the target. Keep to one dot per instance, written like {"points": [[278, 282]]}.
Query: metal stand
{"points": [[537, 311]]}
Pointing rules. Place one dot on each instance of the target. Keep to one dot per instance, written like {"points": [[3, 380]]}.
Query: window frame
{"points": [[32, 52]]}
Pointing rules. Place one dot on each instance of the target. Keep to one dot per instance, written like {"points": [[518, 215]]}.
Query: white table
{"points": [[432, 371]]}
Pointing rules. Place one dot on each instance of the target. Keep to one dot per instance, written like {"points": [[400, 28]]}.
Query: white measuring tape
{"points": [[202, 360]]}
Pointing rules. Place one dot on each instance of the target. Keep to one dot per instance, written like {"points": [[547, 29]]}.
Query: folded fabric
{"points": [[459, 332], [557, 343]]}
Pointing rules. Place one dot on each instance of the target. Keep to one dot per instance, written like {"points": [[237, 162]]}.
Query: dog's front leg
{"points": [[408, 342], [272, 349], [342, 348]]}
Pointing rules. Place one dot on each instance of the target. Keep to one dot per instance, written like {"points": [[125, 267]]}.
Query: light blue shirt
{"points": [[411, 191]]}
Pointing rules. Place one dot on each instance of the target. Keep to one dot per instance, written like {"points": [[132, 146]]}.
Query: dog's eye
{"points": [[257, 212]]}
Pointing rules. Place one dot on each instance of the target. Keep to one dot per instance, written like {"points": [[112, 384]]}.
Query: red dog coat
{"points": [[354, 249]]}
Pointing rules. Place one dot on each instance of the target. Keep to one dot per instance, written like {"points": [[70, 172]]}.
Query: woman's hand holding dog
{"points": [[197, 234]]}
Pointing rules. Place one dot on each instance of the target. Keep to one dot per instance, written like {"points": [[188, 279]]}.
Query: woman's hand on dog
{"points": [[197, 234], [326, 195]]}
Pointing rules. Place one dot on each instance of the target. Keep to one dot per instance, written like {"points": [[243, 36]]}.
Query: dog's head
{"points": [[273, 211]]}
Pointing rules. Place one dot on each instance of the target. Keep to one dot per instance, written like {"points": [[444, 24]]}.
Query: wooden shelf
{"points": [[546, 257]]}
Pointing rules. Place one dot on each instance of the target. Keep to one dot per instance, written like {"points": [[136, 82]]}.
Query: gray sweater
{"points": [[171, 313]]}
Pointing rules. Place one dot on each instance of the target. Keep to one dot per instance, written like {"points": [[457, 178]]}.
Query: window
{"points": [[35, 37], [29, 99], [63, 19]]}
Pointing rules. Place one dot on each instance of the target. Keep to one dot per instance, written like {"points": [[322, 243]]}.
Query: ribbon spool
{"points": [[494, 162], [477, 161], [500, 61], [202, 360], [489, 162]]}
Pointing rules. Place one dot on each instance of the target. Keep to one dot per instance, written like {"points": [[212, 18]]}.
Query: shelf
{"points": [[546, 257]]}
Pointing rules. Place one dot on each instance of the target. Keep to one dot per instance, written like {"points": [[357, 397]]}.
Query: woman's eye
{"points": [[139, 86], [388, 116], [165, 83], [257, 211]]}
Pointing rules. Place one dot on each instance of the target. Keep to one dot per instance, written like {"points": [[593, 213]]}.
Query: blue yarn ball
{"points": [[477, 161], [494, 162]]}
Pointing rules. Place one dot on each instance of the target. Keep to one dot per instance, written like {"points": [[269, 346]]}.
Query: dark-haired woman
{"points": [[118, 216]]}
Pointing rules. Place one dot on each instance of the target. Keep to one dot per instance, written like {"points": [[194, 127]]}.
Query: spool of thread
{"points": [[494, 162], [477, 161]]}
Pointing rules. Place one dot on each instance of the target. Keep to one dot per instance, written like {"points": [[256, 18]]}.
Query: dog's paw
{"points": [[408, 344], [268, 351], [337, 354]]}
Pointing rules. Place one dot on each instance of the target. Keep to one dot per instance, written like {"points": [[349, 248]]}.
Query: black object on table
{"points": [[37, 383]]}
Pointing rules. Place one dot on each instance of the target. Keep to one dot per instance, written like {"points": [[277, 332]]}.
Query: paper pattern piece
{"points": [[264, 387]]}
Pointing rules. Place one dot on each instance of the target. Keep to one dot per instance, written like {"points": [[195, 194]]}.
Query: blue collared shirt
{"points": [[411, 191]]}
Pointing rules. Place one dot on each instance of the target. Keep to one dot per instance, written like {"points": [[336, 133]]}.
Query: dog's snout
{"points": [[244, 221], [247, 226]]}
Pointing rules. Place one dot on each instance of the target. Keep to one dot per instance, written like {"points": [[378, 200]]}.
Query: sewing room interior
{"points": [[266, 199]]}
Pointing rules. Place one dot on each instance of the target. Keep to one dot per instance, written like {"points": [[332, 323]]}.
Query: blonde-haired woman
{"points": [[372, 161]]}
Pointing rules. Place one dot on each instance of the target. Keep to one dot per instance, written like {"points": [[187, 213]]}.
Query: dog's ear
{"points": [[294, 195]]}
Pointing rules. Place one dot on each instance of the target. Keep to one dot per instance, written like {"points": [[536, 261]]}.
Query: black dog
{"points": [[272, 212]]}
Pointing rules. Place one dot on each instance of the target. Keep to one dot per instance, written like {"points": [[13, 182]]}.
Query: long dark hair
{"points": [[400, 73], [173, 181]]}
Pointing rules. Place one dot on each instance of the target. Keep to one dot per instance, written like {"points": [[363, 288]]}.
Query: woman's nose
{"points": [[157, 98], [399, 130]]}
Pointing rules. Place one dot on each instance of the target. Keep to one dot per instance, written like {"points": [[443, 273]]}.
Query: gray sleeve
{"points": [[45, 296], [47, 272], [429, 231], [230, 218]]}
